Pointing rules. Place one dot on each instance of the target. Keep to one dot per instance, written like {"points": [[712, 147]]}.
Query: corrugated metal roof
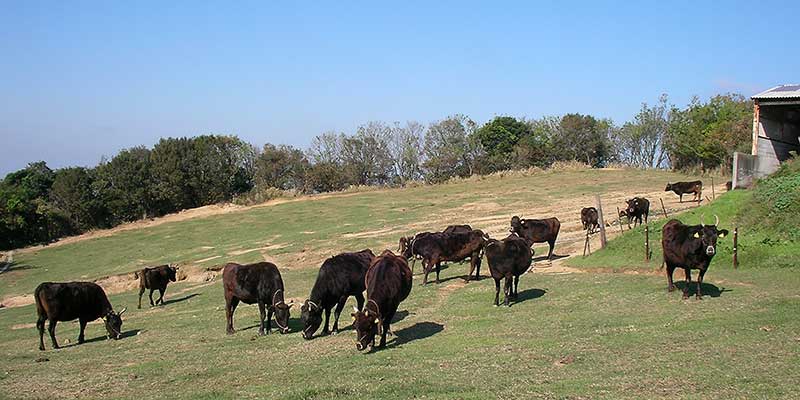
{"points": [[780, 92]]}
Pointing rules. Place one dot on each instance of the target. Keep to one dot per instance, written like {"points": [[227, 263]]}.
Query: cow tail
{"points": [[37, 298]]}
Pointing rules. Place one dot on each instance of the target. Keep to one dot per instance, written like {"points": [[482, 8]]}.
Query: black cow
{"points": [[637, 208], [84, 301], [508, 259], [259, 283], [434, 248], [537, 231], [589, 219], [339, 277], [728, 185], [681, 188], [405, 241], [689, 247], [388, 283], [155, 278]]}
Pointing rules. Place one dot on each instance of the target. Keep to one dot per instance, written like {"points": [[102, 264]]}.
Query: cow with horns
{"points": [[155, 278], [689, 247], [259, 283]]}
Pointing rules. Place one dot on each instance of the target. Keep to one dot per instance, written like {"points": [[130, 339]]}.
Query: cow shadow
{"points": [[529, 294], [13, 266], [418, 331], [545, 258], [123, 335], [180, 299], [706, 289]]}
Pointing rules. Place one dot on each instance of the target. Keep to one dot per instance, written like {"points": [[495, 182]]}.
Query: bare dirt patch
{"points": [[265, 248], [369, 234]]}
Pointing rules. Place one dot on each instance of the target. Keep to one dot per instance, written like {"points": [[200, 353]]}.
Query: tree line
{"points": [[39, 204]]}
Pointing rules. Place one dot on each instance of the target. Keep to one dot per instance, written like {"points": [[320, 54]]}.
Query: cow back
{"points": [[71, 300], [388, 280], [342, 275], [252, 283]]}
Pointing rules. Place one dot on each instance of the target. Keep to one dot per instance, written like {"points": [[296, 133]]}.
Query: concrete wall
{"points": [[776, 138]]}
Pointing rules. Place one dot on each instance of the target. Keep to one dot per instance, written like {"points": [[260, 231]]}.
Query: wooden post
{"points": [[647, 242], [663, 208], [713, 193], [601, 221], [736, 247], [619, 222]]}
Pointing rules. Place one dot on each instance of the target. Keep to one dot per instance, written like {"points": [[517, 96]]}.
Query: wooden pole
{"points": [[736, 247], [663, 208], [647, 242], [713, 193], [619, 222], [602, 221]]}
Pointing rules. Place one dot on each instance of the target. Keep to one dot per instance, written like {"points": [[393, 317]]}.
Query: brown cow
{"points": [[259, 283], [537, 231], [435, 248]]}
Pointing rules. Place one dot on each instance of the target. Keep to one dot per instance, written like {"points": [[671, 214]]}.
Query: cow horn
{"points": [[702, 220], [123, 310], [716, 220], [355, 309]]}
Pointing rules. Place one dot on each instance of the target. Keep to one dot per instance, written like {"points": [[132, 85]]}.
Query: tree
{"points": [[583, 138], [406, 147], [72, 194], [451, 149], [127, 187], [366, 158], [499, 137], [283, 167], [642, 143]]}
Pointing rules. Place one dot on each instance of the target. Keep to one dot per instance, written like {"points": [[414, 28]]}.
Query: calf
{"points": [[537, 231], [155, 278], [508, 259], [681, 188], [259, 283], [84, 301], [636, 209], [434, 248], [339, 277], [589, 219], [388, 282], [689, 247]]}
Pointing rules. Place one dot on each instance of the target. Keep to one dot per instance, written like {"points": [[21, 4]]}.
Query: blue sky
{"points": [[80, 80]]}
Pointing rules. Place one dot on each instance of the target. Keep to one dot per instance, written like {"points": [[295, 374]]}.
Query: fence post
{"points": [[736, 247], [601, 220], [647, 242], [663, 208], [713, 193]]}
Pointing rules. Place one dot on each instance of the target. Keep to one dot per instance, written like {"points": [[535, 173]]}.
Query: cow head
{"points": [[172, 270], [708, 235], [516, 224], [367, 324], [668, 188], [113, 323], [404, 247], [311, 316], [282, 316], [632, 205]]}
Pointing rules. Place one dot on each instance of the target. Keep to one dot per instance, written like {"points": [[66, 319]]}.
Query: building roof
{"points": [[779, 92]]}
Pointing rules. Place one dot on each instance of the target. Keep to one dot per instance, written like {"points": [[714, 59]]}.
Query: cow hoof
{"points": [[699, 297], [324, 333], [230, 332], [334, 333]]}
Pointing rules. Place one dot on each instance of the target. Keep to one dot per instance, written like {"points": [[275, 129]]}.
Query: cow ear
{"points": [[354, 316], [377, 321], [696, 235], [723, 233]]}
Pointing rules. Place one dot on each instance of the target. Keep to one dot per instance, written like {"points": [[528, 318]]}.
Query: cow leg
{"points": [[269, 320], [471, 268], [496, 292], [438, 267], [670, 285], [51, 327], [141, 292], [40, 326], [230, 307], [427, 270], [700, 284], [325, 330], [507, 290], [688, 282], [413, 261], [261, 314], [552, 244], [360, 301], [477, 266], [161, 297], [151, 298], [680, 199], [337, 313], [80, 334], [516, 286]]}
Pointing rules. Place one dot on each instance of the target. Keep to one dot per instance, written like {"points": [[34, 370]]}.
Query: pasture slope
{"points": [[579, 330]]}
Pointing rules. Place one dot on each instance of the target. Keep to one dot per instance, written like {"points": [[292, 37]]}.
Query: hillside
{"points": [[575, 333]]}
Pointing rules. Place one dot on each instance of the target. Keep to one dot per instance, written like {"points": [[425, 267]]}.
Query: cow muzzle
{"points": [[710, 250]]}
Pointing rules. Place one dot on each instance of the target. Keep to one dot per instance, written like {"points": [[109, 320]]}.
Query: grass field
{"points": [[578, 331]]}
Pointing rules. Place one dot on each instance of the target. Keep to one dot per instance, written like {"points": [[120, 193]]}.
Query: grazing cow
{"points": [[84, 301], [434, 248], [537, 231], [636, 209], [155, 278], [339, 277], [388, 283], [689, 247], [681, 188], [589, 219], [259, 283], [508, 259]]}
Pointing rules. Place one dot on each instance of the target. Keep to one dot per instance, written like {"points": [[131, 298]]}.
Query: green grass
{"points": [[578, 335]]}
